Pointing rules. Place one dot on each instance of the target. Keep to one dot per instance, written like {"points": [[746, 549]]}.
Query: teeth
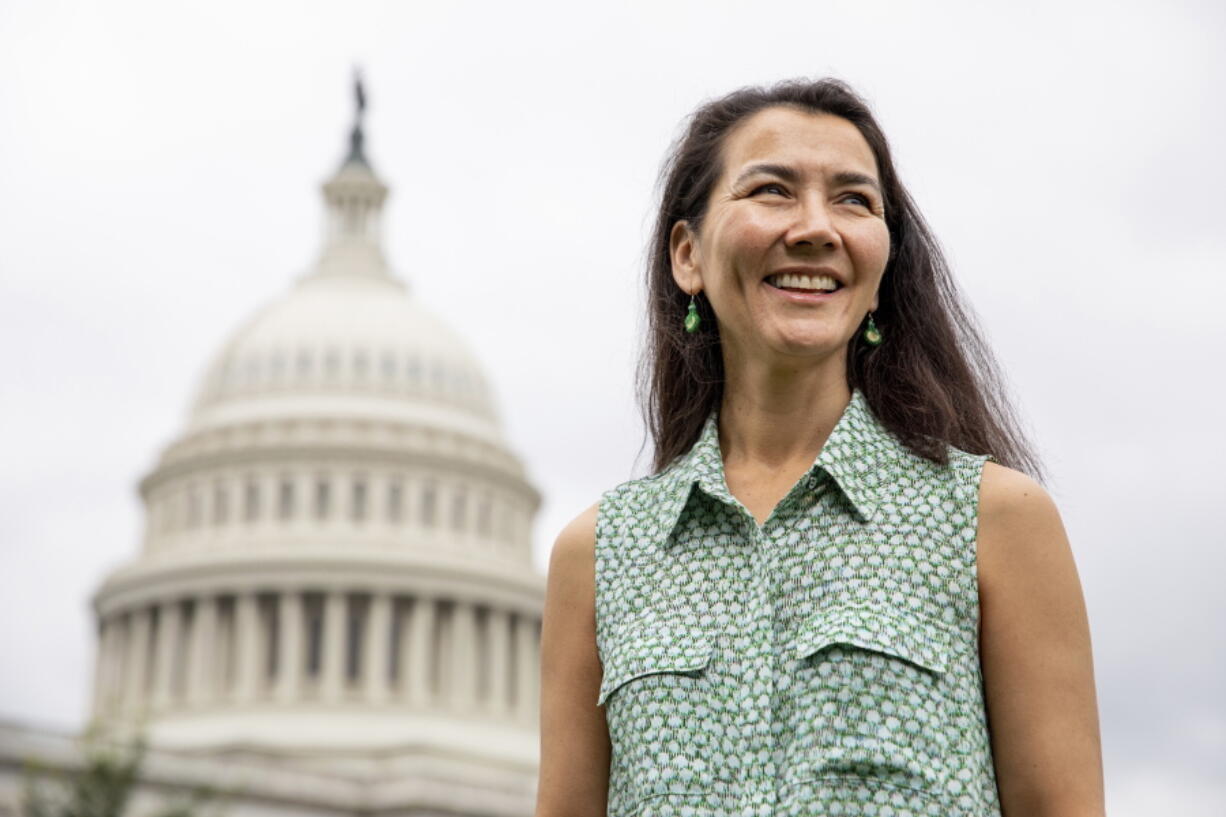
{"points": [[822, 282]]}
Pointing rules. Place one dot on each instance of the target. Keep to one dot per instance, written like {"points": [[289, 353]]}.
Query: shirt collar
{"points": [[856, 455]]}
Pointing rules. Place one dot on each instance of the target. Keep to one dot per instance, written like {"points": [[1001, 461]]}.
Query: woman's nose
{"points": [[813, 224]]}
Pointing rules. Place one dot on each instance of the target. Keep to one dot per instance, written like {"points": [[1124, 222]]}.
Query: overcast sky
{"points": [[159, 172]]}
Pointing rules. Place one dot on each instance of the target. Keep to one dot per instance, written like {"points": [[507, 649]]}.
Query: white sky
{"points": [[159, 171]]}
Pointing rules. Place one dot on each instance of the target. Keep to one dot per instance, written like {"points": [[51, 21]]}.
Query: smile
{"points": [[802, 296]]}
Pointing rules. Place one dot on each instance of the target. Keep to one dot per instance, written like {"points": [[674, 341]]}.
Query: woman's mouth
{"points": [[812, 290]]}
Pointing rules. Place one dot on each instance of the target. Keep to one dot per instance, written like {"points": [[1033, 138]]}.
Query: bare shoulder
{"points": [[570, 589], [1020, 527], [574, 743], [572, 566], [1007, 489], [576, 543]]}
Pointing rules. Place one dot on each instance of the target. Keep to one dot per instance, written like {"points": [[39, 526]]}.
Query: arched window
{"points": [[285, 498], [321, 497], [251, 500], [429, 497], [395, 500], [221, 503], [357, 507], [483, 514]]}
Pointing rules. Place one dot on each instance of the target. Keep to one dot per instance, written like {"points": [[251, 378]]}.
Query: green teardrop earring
{"points": [[871, 333], [691, 317]]}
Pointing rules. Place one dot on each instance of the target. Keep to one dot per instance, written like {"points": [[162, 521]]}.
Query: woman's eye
{"points": [[863, 198], [767, 186]]}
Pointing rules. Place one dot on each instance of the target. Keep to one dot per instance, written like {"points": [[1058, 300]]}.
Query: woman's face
{"points": [[798, 193]]}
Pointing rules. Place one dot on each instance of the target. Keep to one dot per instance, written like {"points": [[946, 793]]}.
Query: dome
{"points": [[351, 346], [349, 341]]}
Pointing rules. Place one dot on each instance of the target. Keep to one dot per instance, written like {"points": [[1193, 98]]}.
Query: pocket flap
{"points": [[909, 636], [649, 649]]}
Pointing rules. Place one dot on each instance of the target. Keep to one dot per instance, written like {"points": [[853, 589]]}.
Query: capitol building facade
{"points": [[334, 608]]}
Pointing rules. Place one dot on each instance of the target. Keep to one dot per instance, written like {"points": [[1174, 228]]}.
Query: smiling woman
{"points": [[840, 591], [798, 179]]}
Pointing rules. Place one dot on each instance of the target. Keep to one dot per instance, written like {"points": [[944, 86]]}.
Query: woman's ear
{"points": [[683, 251]]}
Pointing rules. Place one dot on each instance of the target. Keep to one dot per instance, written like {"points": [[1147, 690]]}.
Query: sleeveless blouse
{"points": [[825, 662]]}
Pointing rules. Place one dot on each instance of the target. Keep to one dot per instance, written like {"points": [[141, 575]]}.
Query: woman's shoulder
{"points": [[1008, 496], [577, 538], [572, 565], [1020, 528]]}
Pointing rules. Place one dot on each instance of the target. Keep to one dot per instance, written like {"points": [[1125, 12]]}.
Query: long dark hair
{"points": [[933, 382]]}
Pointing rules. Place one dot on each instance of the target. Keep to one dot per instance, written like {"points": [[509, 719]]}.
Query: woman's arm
{"points": [[575, 751], [1035, 651]]}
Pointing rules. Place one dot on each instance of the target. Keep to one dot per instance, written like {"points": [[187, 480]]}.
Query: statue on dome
{"points": [[355, 136]]}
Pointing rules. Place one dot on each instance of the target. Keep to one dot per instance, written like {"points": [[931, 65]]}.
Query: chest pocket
{"points": [[656, 693], [870, 695]]}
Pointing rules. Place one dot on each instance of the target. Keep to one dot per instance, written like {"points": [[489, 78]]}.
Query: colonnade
{"points": [[252, 507], [328, 646]]}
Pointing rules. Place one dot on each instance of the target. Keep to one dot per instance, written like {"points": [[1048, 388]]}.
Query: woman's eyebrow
{"points": [[855, 177], [789, 174], [782, 171]]}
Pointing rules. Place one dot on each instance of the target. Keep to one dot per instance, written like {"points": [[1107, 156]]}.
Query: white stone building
{"points": [[334, 608]]}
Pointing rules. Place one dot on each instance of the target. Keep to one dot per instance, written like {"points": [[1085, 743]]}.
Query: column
{"points": [[114, 663], [485, 520], [270, 484], [463, 670], [102, 666], [410, 500], [201, 674], [138, 659], [405, 609], [499, 630], [525, 668], [290, 623], [345, 482], [416, 670], [377, 653], [247, 647], [334, 646], [170, 631], [304, 498], [376, 484]]}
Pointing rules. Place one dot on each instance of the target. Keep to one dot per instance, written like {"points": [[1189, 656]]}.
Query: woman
{"points": [[840, 592]]}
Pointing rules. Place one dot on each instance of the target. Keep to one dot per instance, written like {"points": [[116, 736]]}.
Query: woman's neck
{"points": [[776, 417]]}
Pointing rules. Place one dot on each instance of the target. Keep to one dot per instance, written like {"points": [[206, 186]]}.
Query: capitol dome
{"points": [[357, 345], [336, 569], [349, 338]]}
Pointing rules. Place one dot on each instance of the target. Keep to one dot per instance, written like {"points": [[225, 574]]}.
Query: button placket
{"points": [[759, 793]]}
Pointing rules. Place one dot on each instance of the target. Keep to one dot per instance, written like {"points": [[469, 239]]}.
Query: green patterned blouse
{"points": [[823, 663]]}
